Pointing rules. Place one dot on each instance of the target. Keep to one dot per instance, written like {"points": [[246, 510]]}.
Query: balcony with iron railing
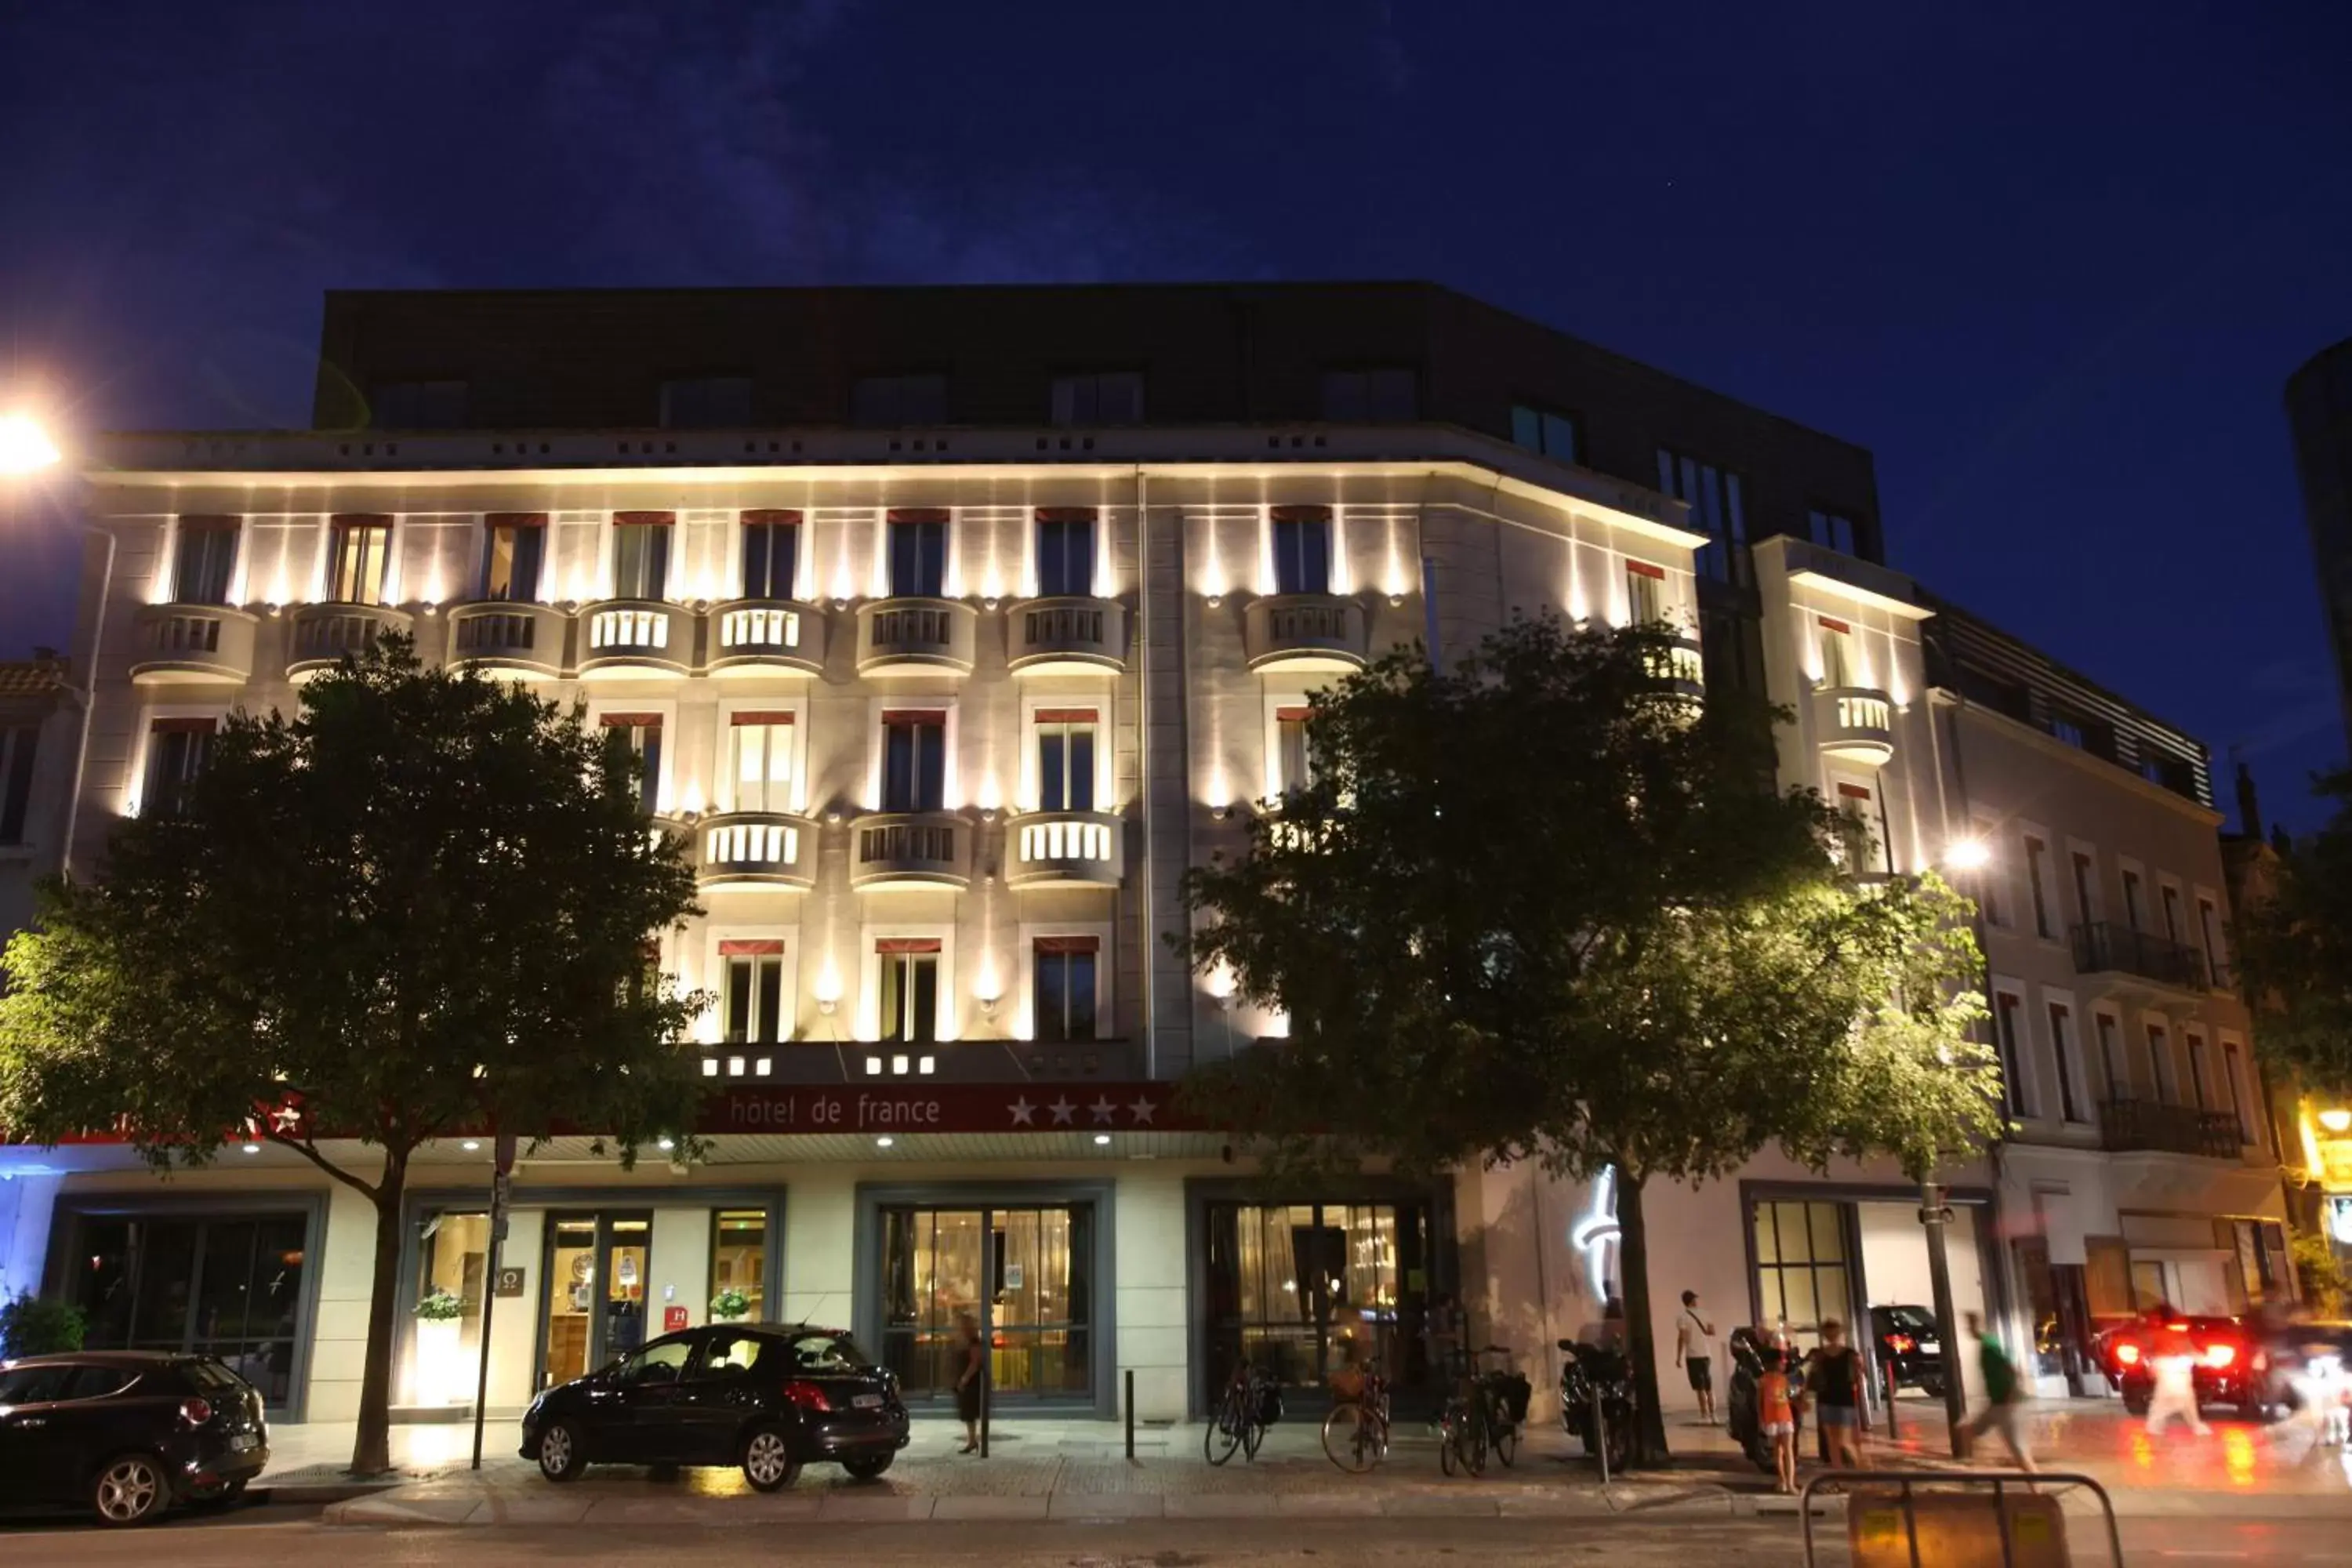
{"points": [[1065, 637], [180, 645], [1679, 669], [751, 851], [509, 637], [2108, 947], [1065, 849], [767, 636], [916, 636], [628, 638], [1854, 723], [1304, 634], [911, 849], [323, 634], [2128, 1126]]}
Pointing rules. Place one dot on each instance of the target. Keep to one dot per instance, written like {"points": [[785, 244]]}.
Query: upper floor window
{"points": [[909, 1006], [2085, 878], [2111, 1061], [1839, 665], [359, 550], [2199, 1088], [1832, 528], [2062, 1051], [2159, 1063], [706, 403], [1065, 551], [2171, 912], [641, 554], [755, 992], [1861, 844], [2006, 1010], [1302, 550], [760, 761], [1065, 988], [2208, 924], [2240, 1092], [1065, 759], [1718, 509], [918, 553], [1385, 393], [2135, 908], [1294, 762], [641, 734], [1099, 397], [19, 747], [418, 406], [900, 400], [176, 751], [1645, 593], [772, 546], [514, 543], [205, 561], [913, 760], [1543, 430], [2037, 871]]}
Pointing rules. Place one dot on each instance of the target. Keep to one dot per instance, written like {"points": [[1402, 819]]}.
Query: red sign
{"points": [[673, 1319], [916, 1107]]}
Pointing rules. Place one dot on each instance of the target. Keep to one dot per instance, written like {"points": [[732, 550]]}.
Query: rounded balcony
{"points": [[323, 634], [1064, 849], [634, 638], [892, 851], [514, 639], [1680, 669], [766, 637], [752, 851], [193, 644], [1854, 723], [1065, 637], [916, 636], [1304, 634]]}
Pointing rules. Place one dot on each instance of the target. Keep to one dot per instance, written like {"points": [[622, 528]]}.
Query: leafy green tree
{"points": [[424, 906], [1535, 907], [2294, 946]]}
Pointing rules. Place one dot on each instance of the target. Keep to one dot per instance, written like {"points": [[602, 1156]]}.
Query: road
{"points": [[296, 1534]]}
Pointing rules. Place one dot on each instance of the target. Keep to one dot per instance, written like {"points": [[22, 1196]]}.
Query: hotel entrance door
{"points": [[594, 1293]]}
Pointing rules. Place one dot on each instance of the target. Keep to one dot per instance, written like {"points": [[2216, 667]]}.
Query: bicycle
{"points": [[1356, 1432], [1239, 1419], [1462, 1426], [1495, 1390]]}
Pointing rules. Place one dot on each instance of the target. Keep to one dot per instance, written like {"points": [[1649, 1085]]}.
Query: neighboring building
{"points": [[2319, 412]]}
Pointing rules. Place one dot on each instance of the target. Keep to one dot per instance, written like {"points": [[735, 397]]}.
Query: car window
{"points": [[826, 1353], [658, 1363], [98, 1382], [208, 1377], [730, 1353], [1909, 1321], [36, 1385]]}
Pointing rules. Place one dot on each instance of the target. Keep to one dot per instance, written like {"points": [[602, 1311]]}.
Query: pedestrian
{"points": [[1834, 1384], [2173, 1354], [1692, 1337], [2004, 1408], [971, 1374], [1776, 1418]]}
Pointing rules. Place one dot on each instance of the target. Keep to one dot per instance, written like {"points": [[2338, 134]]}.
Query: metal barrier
{"points": [[2036, 1545]]}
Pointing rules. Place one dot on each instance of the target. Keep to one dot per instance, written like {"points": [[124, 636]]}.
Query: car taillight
{"points": [[808, 1397], [194, 1412], [2220, 1354], [1901, 1344], [2127, 1353]]}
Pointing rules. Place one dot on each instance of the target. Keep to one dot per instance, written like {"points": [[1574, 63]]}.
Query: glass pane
{"points": [[1797, 1295], [738, 1261], [923, 1022], [1767, 1248], [771, 1007], [738, 1000], [1768, 1294], [452, 1262], [1052, 998], [1082, 767], [1829, 1234], [571, 1299], [625, 1288], [101, 1282], [1527, 428], [1081, 991], [1052, 767], [166, 1268]]}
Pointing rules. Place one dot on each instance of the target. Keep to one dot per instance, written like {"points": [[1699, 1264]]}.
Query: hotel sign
{"points": [[945, 1108]]}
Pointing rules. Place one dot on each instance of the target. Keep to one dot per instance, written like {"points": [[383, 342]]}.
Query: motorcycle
{"points": [[1739, 1400], [1596, 1377]]}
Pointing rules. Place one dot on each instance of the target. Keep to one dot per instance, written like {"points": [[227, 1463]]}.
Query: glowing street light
{"points": [[1967, 854], [24, 444]]}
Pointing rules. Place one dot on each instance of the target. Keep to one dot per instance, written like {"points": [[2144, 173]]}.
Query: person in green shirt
{"points": [[2004, 1393]]}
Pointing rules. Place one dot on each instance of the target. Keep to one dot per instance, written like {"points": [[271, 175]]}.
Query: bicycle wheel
{"points": [[1506, 1445], [1253, 1434], [1222, 1435], [1348, 1439], [1473, 1447], [1449, 1456]]}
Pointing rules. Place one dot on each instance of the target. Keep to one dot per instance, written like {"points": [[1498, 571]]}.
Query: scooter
{"points": [[1598, 1382]]}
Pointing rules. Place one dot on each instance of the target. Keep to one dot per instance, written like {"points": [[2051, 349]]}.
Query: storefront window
{"points": [[739, 1262], [228, 1286], [1802, 1269], [452, 1261], [1026, 1274], [1302, 1291]]}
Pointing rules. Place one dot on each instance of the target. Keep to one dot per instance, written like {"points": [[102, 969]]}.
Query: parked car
{"points": [[1909, 1346], [2232, 1367], [768, 1397], [126, 1434]]}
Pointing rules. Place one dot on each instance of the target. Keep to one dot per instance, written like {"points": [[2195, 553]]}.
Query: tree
{"points": [[1538, 908], [2294, 954], [423, 907]]}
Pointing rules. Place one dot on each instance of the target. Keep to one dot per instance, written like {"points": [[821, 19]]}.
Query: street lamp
{"points": [[1967, 854], [24, 447]]}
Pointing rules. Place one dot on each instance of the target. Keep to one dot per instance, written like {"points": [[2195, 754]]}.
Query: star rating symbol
{"points": [[1062, 1111], [1023, 1112], [1102, 1109], [284, 1118], [1142, 1109]]}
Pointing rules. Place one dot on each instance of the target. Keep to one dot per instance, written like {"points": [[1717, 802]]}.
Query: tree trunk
{"points": [[371, 1448], [1641, 1345]]}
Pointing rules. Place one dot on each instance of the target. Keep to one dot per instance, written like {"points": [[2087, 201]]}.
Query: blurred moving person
{"points": [[2173, 1354], [2004, 1410]]}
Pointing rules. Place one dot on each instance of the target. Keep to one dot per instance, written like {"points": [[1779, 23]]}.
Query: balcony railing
{"points": [[2107, 947], [2127, 1125], [911, 850], [1679, 669], [508, 637], [192, 644], [636, 637], [1086, 848], [746, 850], [766, 637], [323, 634], [916, 636], [1308, 633], [1855, 723], [1065, 637]]}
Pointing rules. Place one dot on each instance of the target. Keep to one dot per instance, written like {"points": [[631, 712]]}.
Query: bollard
{"points": [[1128, 1397], [1600, 1435], [986, 1403], [1893, 1392]]}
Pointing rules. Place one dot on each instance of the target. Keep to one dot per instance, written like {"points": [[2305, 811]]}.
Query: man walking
{"points": [[1692, 1334], [2173, 1354], [2005, 1409]]}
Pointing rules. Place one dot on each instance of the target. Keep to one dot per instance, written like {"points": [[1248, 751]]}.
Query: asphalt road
{"points": [[265, 1533]]}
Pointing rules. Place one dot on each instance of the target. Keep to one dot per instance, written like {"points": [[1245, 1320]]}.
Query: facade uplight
{"points": [[24, 447]]}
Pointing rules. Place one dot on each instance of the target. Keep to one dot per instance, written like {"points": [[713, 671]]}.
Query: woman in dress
{"points": [[971, 1371]]}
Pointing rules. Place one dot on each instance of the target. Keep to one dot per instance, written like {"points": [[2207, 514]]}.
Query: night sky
{"points": [[2051, 262]]}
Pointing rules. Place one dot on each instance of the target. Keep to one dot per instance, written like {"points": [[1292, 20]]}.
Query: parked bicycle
{"points": [[1356, 1432], [1466, 1427], [1505, 1394], [1251, 1403]]}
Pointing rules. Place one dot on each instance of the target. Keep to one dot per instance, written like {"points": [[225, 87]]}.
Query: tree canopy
{"points": [[423, 906], [1539, 906], [2294, 949]]}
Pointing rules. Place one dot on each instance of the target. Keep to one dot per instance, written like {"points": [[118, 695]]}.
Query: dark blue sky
{"points": [[2051, 262]]}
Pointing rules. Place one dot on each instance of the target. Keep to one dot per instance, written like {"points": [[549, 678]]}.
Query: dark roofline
{"points": [[1946, 607]]}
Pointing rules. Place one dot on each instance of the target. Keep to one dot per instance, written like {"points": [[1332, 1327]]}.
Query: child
{"points": [[1776, 1419]]}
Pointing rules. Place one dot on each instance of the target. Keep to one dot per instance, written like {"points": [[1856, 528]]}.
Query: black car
{"points": [[1906, 1344], [770, 1398], [126, 1434]]}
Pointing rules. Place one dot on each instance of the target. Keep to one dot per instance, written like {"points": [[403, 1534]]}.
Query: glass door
{"points": [[595, 1292], [1023, 1276]]}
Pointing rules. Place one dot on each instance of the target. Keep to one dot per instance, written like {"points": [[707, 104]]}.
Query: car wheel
{"points": [[562, 1454], [868, 1469], [768, 1461], [130, 1489]]}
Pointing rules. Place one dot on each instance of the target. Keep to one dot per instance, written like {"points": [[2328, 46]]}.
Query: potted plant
{"points": [[440, 1349], [729, 1306], [30, 1326]]}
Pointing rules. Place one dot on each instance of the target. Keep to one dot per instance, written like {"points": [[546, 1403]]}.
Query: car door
{"points": [[43, 1450], [720, 1394], [643, 1420]]}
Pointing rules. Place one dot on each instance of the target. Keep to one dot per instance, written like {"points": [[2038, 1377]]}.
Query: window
{"points": [[738, 1261], [176, 750], [514, 544], [1065, 759], [1098, 398], [225, 1285], [2061, 1050], [910, 989], [1839, 666], [2134, 910], [900, 400], [640, 736], [914, 761], [2066, 728], [1645, 593], [918, 553], [657, 1364], [206, 562], [2111, 1066], [771, 548], [1370, 395], [1294, 751], [1542, 430], [2086, 874], [1718, 508], [1991, 882], [2171, 912], [760, 761], [1802, 1274], [2198, 1087], [755, 992], [1832, 528], [2013, 1065], [2240, 1091], [1861, 842], [1065, 552], [358, 550], [2037, 856], [1302, 550], [1065, 987], [18, 748], [641, 554], [2159, 1065], [2208, 925], [706, 402], [38, 1385], [419, 406]]}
